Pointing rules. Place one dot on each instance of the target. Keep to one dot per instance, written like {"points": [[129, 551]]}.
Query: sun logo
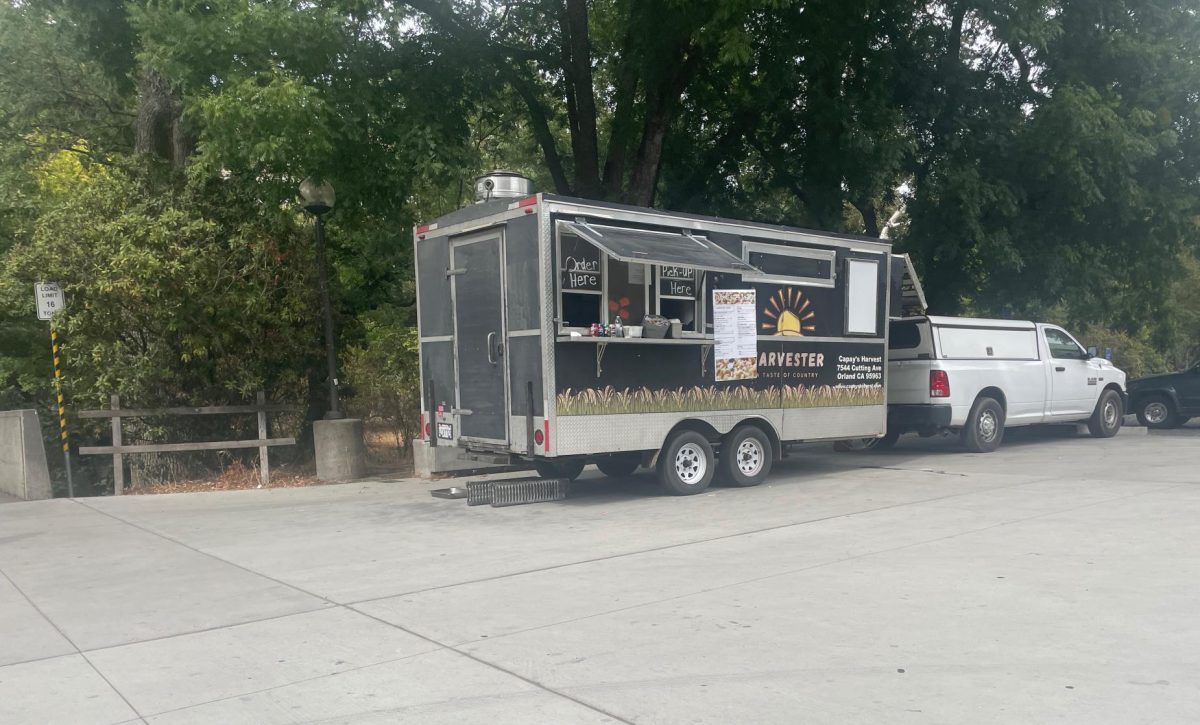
{"points": [[789, 309]]}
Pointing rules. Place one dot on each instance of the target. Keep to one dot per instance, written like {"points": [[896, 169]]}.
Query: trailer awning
{"points": [[666, 248]]}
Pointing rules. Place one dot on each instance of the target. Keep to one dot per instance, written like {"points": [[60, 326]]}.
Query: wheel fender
{"points": [[1137, 399], [763, 425]]}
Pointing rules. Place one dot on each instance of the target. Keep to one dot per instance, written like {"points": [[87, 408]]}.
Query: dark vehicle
{"points": [[1166, 401]]}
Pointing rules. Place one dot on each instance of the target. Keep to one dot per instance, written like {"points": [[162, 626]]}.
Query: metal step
{"points": [[516, 491]]}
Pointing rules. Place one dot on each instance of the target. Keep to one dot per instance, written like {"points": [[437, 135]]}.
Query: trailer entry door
{"points": [[479, 337]]}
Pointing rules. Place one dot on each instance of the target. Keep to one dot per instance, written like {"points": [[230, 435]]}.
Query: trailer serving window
{"points": [[581, 279], [790, 265], [680, 296], [609, 272]]}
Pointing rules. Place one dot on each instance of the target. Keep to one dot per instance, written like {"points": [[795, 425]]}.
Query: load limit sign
{"points": [[50, 299]]}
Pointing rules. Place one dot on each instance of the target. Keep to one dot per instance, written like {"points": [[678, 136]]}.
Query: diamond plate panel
{"points": [[588, 434]]}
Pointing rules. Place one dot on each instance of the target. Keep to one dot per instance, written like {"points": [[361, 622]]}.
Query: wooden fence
{"points": [[118, 449]]}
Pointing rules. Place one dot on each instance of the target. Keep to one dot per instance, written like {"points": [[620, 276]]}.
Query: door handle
{"points": [[1060, 370], [491, 347]]}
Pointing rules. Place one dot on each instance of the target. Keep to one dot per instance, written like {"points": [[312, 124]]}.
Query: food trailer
{"points": [[565, 331]]}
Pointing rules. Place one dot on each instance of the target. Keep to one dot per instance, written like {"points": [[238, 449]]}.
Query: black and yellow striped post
{"points": [[62, 410]]}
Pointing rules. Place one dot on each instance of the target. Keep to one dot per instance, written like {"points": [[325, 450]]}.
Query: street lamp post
{"points": [[318, 199]]}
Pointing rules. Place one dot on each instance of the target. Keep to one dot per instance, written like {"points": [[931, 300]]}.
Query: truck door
{"points": [[1189, 388], [1073, 380], [477, 270]]}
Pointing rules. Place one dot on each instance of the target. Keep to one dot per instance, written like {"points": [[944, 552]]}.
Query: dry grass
{"points": [[610, 401], [237, 476]]}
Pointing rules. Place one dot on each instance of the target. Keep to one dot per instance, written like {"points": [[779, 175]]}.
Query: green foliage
{"points": [[384, 373], [173, 295]]}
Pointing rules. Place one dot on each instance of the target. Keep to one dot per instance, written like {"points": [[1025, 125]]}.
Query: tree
{"points": [[611, 74]]}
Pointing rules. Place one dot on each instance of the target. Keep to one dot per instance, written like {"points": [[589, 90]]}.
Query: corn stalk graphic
{"points": [[610, 401]]}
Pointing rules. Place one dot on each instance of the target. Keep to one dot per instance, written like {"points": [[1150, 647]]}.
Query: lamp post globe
{"points": [[318, 197]]}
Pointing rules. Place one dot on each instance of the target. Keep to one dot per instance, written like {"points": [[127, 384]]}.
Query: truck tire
{"points": [[569, 469], [619, 465], [985, 427], [686, 464], [746, 457], [1106, 420], [1156, 411], [868, 444]]}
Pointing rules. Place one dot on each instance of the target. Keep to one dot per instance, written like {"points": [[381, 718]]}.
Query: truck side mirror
{"points": [[1093, 351]]}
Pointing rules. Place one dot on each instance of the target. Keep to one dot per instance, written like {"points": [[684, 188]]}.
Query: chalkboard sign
{"points": [[580, 265], [677, 282]]}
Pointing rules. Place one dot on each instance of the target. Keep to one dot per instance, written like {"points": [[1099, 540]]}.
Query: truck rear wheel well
{"points": [[995, 394]]}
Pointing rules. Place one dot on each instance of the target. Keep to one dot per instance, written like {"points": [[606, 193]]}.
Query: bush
{"points": [[385, 374]]}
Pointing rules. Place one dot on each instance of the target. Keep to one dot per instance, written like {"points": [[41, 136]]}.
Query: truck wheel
{"points": [[1106, 420], [686, 464], [619, 465], [985, 427], [746, 457], [868, 444], [1156, 411], [569, 469]]}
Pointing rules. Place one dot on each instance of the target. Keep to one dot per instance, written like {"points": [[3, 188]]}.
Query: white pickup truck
{"points": [[976, 377]]}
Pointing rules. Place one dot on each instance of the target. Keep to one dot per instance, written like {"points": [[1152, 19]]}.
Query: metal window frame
{"points": [[863, 259], [650, 279], [779, 250]]}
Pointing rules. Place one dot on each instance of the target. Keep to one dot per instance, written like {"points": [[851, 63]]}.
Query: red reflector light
{"points": [[939, 384], [528, 201], [422, 229], [538, 438]]}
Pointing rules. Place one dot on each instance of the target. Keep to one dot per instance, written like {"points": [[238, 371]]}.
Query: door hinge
{"points": [[461, 411], [450, 271]]}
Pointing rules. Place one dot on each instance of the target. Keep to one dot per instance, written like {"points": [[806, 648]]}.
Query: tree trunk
{"points": [[157, 127], [581, 99]]}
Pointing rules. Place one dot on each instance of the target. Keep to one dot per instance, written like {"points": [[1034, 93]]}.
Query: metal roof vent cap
{"points": [[501, 185]]}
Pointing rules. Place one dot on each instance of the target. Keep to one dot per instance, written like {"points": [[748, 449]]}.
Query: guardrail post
{"points": [[264, 466], [118, 458]]}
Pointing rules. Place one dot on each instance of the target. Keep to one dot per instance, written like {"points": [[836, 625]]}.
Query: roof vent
{"points": [[501, 185]]}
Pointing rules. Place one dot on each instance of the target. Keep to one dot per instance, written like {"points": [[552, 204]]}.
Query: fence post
{"points": [[264, 466], [118, 458]]}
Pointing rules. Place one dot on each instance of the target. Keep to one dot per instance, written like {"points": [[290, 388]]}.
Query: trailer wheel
{"points": [[985, 427], [686, 464], [1106, 420], [569, 469], [619, 465], [746, 457]]}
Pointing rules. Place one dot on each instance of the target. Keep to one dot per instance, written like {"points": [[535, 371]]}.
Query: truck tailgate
{"points": [[908, 382]]}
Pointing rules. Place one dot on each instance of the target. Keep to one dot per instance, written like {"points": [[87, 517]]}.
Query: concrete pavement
{"points": [[1054, 579]]}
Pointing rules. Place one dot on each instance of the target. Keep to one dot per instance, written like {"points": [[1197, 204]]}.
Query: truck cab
{"points": [[976, 377]]}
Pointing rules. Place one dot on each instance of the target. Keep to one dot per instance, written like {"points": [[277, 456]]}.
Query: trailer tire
{"points": [[985, 426], [569, 469], [746, 457], [686, 464], [1106, 420], [619, 465]]}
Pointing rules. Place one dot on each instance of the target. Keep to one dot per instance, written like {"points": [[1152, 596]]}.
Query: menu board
{"points": [[580, 265], [677, 282], [736, 333]]}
